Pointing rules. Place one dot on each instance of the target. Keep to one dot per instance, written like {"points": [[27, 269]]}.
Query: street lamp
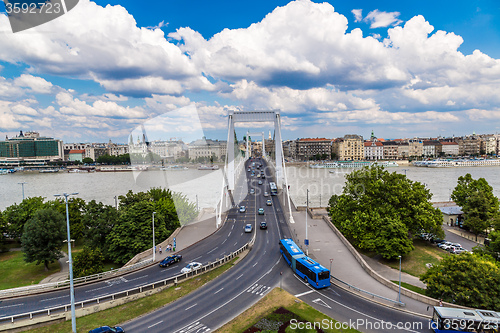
{"points": [[154, 246], [399, 297], [71, 288], [22, 185], [404, 171]]}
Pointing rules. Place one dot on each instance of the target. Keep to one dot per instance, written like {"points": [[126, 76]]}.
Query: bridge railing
{"points": [[58, 312], [22, 291]]}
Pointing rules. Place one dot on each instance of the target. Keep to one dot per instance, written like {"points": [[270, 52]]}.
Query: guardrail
{"points": [[369, 293], [37, 288], [83, 307]]}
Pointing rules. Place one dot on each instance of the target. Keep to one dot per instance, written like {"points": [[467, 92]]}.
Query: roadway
{"points": [[243, 285]]}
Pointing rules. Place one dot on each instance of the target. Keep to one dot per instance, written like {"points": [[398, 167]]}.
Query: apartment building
{"points": [[374, 150], [390, 150], [349, 148], [469, 145], [205, 148], [449, 148], [311, 147]]}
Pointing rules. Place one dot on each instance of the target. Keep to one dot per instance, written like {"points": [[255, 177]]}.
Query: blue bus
{"points": [[306, 268], [273, 188], [454, 320]]}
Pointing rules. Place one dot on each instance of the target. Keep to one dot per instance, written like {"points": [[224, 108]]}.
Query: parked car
{"points": [[269, 202], [261, 211], [248, 228], [445, 243], [458, 250], [192, 266], [170, 260], [106, 329], [243, 209], [263, 225]]}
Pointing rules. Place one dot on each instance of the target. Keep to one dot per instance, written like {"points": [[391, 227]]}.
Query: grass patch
{"points": [[410, 287], [125, 312], [18, 273], [414, 262], [264, 313]]}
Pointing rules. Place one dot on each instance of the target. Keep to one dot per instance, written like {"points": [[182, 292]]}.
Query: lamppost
{"points": [[404, 171], [399, 296], [154, 246], [116, 202], [71, 288], [22, 185], [331, 260], [306, 241]]}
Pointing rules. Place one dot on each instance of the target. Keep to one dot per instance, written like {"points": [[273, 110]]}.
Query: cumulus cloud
{"points": [[100, 42], [35, 83], [380, 19], [358, 16], [74, 106]]}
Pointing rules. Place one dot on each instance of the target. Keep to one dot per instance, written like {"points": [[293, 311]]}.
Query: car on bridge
{"points": [[170, 260], [243, 209], [106, 329], [261, 211], [269, 202], [252, 191], [260, 182], [192, 266], [248, 228], [263, 225], [266, 194]]}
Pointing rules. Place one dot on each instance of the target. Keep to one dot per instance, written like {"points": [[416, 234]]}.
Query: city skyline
{"points": [[106, 68]]}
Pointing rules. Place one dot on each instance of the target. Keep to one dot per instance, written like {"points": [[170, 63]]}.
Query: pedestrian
{"points": [[160, 249], [440, 302]]}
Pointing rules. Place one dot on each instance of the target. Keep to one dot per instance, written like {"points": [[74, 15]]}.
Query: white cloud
{"points": [[358, 16], [35, 83], [380, 19], [104, 43], [73, 106], [7, 119]]}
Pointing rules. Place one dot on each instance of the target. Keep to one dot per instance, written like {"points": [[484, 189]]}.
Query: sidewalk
{"points": [[187, 236], [325, 245]]}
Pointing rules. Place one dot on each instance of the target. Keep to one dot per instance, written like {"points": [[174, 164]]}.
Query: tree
{"points": [[17, 215], [88, 160], [382, 212], [43, 236], [75, 210], [98, 221], [3, 232], [466, 279], [479, 204], [87, 262]]}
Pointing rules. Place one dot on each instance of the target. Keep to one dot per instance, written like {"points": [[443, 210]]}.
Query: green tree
{"points": [[76, 207], [43, 236], [17, 215], [382, 212], [87, 262], [98, 221], [88, 160], [466, 279], [3, 232], [478, 203]]}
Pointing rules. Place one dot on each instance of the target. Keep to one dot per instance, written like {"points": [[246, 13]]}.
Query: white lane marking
{"points": [[319, 301], [345, 306], [235, 243], [232, 227], [10, 306], [239, 276], [192, 306], [229, 301], [255, 264], [161, 321], [305, 293], [218, 291], [53, 298], [224, 241], [229, 234], [95, 289], [196, 258], [137, 278], [213, 250]]}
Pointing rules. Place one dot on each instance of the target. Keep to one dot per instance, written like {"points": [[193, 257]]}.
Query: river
{"points": [[205, 186]]}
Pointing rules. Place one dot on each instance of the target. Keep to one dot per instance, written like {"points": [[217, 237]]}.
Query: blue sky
{"points": [[403, 69]]}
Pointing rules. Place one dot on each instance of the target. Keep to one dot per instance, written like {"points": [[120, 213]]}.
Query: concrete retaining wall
{"points": [[381, 279]]}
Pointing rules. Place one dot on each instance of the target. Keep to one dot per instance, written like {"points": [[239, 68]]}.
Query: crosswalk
{"points": [[195, 328]]}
